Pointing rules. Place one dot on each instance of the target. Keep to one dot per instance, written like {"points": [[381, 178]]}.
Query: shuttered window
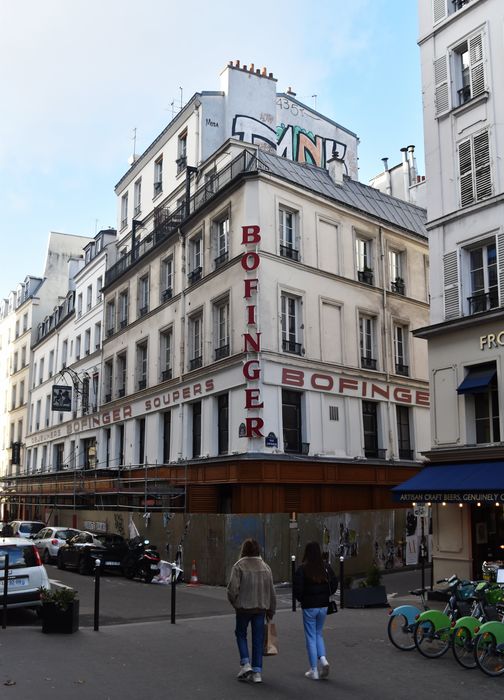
{"points": [[442, 90], [476, 65], [451, 285], [438, 10], [475, 176]]}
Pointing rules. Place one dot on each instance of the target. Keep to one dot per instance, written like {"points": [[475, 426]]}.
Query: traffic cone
{"points": [[194, 575]]}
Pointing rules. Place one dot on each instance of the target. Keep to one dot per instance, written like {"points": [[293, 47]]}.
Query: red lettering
{"points": [[251, 317], [422, 398], [250, 286], [292, 377], [347, 384], [402, 395], [251, 374], [364, 388], [322, 381], [253, 427], [106, 418], [250, 234], [209, 385], [375, 389], [176, 395], [251, 344], [148, 405], [127, 412], [186, 392], [250, 261], [197, 389], [157, 402], [252, 395], [116, 415]]}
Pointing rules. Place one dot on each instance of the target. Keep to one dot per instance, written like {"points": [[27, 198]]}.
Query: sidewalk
{"points": [[197, 657]]}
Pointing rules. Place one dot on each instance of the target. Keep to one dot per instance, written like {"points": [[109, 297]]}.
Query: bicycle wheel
{"points": [[400, 633], [463, 647], [489, 655], [430, 642]]}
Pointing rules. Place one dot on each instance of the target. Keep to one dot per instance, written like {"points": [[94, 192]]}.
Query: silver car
{"points": [[26, 574], [49, 540]]}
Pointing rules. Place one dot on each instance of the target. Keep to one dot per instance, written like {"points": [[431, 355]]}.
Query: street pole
{"points": [[342, 578], [5, 587], [293, 571], [173, 588], [97, 595]]}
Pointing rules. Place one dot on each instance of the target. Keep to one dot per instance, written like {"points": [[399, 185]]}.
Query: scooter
{"points": [[141, 561]]}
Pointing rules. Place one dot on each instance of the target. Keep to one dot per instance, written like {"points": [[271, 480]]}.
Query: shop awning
{"points": [[454, 483], [477, 380]]}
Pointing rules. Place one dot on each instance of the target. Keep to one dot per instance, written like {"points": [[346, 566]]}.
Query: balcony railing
{"points": [[406, 454], [181, 164], [142, 384], [222, 351], [483, 301], [144, 310], [291, 346], [402, 369], [166, 374], [108, 397], [110, 331], [287, 251], [464, 94], [167, 224], [196, 362], [365, 276], [194, 275], [398, 287], [123, 323], [375, 453], [459, 4], [121, 392], [368, 363], [167, 294], [221, 259]]}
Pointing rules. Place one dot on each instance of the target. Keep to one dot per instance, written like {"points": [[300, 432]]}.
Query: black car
{"points": [[82, 551]]}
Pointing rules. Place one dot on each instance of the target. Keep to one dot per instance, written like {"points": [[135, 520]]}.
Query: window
{"points": [[165, 354], [21, 393], [15, 363], [166, 436], [480, 389], [196, 341], [403, 432], [64, 354], [47, 409], [99, 285], [223, 423], [367, 342], [396, 272], [469, 69], [400, 359], [475, 177], [483, 278], [167, 278], [137, 197], [51, 363], [291, 421], [87, 341], [16, 332], [143, 295], [124, 211], [288, 234], [182, 153], [97, 335], [108, 372], [25, 322], [85, 396], [123, 309], [140, 425], [111, 311], [221, 329], [195, 258], [78, 347], [23, 356], [79, 306], [142, 365], [59, 451], [89, 297], [13, 397], [363, 257], [41, 371], [196, 428], [96, 378], [442, 8], [158, 176], [121, 374], [221, 235], [38, 410], [290, 320], [370, 424]]}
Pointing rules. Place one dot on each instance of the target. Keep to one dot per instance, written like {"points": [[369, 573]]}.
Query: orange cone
{"points": [[194, 575]]}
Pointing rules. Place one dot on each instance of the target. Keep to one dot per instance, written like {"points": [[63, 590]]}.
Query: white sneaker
{"points": [[312, 674], [256, 677], [245, 672], [323, 669]]}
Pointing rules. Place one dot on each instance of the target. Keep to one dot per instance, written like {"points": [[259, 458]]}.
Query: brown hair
{"points": [[313, 564], [250, 548]]}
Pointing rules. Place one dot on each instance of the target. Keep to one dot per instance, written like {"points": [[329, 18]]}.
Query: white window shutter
{"points": [[442, 91], [465, 173], [500, 267], [451, 285], [476, 65], [483, 174], [438, 10]]}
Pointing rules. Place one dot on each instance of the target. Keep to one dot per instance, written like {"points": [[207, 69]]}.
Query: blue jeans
{"points": [[257, 625], [313, 621]]}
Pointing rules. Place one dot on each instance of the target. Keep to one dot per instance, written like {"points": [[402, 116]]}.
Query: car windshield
{"points": [[30, 528], [65, 534], [19, 557], [110, 540]]}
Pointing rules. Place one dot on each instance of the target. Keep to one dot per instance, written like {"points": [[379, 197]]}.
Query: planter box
{"points": [[58, 621], [370, 596]]}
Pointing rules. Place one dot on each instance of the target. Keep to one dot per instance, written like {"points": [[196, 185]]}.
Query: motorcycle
{"points": [[142, 560]]}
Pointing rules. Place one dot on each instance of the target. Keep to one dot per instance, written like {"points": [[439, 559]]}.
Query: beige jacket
{"points": [[251, 587]]}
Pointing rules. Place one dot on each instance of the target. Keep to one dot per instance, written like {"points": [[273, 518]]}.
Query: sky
{"points": [[78, 76]]}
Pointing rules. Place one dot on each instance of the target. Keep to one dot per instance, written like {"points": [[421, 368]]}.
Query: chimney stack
{"points": [[336, 168]]}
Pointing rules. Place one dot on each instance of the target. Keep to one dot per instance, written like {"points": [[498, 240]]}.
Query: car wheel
{"points": [[46, 557], [83, 567], [60, 562]]}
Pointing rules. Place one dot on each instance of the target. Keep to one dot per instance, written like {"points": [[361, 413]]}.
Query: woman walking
{"points": [[314, 583], [252, 594]]}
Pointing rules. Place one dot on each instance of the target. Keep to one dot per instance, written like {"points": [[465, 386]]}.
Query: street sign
{"points": [[420, 511]]}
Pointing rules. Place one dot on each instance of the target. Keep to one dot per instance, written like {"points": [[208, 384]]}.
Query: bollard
{"points": [[342, 578], [5, 587], [293, 571], [173, 589], [97, 595]]}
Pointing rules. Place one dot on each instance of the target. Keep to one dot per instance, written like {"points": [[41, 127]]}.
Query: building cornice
{"points": [[461, 324]]}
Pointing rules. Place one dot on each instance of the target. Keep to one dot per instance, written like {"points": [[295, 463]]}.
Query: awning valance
{"points": [[477, 380], [454, 483]]}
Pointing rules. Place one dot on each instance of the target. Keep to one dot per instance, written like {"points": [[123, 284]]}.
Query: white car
{"points": [[49, 540], [26, 574]]}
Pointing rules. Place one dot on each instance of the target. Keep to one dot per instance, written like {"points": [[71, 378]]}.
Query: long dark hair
{"points": [[313, 564]]}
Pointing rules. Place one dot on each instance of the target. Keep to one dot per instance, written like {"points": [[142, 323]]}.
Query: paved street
{"points": [[197, 657]]}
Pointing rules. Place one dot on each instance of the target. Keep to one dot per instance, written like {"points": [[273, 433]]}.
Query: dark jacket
{"points": [[311, 594]]}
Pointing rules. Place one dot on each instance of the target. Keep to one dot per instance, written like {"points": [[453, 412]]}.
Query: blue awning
{"points": [[477, 380], [455, 483]]}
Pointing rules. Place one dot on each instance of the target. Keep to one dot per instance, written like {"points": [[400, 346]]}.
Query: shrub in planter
{"points": [[60, 610], [369, 592]]}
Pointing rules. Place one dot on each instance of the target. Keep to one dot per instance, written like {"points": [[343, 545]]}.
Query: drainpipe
{"points": [[182, 335], [386, 337]]}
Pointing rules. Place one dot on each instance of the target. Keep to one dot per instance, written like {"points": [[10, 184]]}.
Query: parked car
{"points": [[49, 540], [82, 551], [26, 528], [26, 574]]}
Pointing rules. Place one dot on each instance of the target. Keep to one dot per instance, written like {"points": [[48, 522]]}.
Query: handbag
{"points": [[270, 647], [332, 607]]}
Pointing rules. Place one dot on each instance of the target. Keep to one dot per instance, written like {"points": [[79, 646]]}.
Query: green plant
{"points": [[61, 596], [373, 576]]}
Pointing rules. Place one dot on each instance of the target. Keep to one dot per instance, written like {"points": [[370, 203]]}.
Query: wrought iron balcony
{"points": [[194, 275], [291, 346], [368, 363], [375, 453], [398, 286], [121, 392], [464, 94], [110, 331], [142, 384], [406, 454], [483, 302], [158, 188], [221, 259], [365, 276], [287, 251], [167, 294], [196, 362], [108, 397], [222, 351], [181, 164], [123, 323], [402, 369], [166, 374], [144, 310]]}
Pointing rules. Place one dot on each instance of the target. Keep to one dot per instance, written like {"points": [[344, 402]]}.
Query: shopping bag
{"points": [[270, 639], [332, 607]]}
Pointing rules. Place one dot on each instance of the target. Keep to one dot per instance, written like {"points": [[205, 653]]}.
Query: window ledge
{"points": [[461, 109]]}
